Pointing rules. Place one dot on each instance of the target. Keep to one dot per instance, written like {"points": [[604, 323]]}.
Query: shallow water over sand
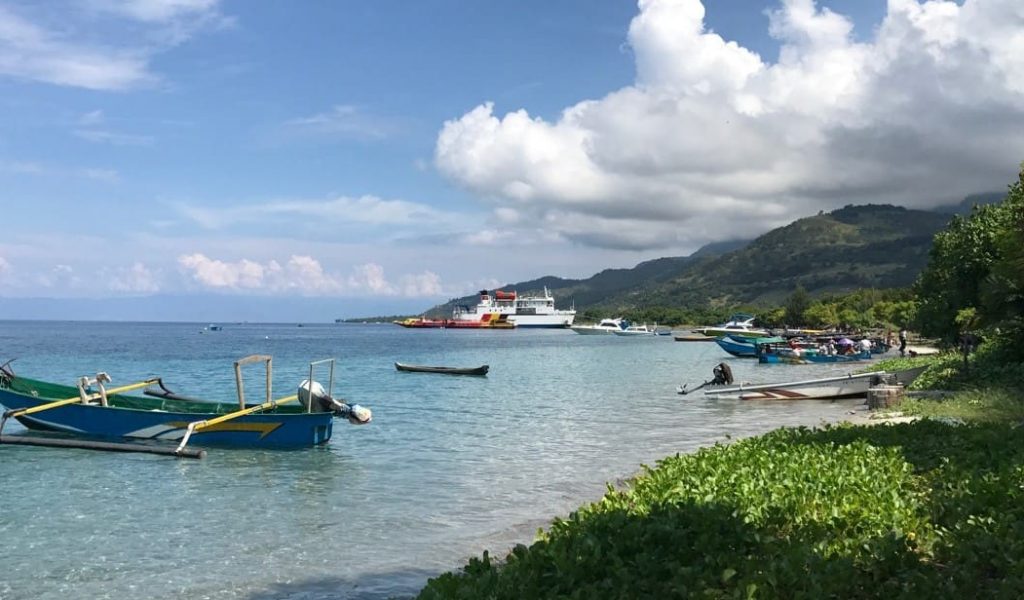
{"points": [[449, 467]]}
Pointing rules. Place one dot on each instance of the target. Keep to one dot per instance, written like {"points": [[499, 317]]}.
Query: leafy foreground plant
{"points": [[912, 510]]}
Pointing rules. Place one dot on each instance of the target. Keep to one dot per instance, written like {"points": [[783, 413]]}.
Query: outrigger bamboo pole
{"points": [[54, 442], [197, 425]]}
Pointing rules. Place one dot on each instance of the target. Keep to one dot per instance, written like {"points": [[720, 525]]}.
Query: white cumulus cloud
{"points": [[136, 279], [370, 277], [213, 273], [302, 275], [713, 142], [425, 284], [62, 277]]}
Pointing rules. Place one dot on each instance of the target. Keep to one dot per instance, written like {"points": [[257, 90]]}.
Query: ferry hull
{"points": [[541, 323]]}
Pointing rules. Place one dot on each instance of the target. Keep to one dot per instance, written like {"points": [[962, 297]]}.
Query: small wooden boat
{"points": [[481, 370], [694, 337], [91, 410]]}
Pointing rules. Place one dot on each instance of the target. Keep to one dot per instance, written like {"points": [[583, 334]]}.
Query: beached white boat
{"points": [[521, 311], [605, 327], [843, 386]]}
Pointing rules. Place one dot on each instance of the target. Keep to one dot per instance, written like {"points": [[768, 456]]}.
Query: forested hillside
{"points": [[872, 246]]}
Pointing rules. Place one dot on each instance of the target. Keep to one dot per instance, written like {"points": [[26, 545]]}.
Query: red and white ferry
{"points": [[524, 311]]}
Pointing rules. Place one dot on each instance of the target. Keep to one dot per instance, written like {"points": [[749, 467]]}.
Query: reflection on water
{"points": [[449, 466]]}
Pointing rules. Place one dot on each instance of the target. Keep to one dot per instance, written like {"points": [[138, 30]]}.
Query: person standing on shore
{"points": [[903, 342]]}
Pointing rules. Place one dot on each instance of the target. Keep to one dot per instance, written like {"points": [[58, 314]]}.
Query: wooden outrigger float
{"points": [[101, 419]]}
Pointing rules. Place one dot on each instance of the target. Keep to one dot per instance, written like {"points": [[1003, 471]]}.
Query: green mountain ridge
{"points": [[870, 246]]}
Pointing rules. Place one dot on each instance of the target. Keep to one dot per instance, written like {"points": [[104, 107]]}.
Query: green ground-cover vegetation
{"points": [[986, 386], [915, 510], [978, 406]]}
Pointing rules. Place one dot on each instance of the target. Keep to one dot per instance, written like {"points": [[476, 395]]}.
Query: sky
{"points": [[342, 159]]}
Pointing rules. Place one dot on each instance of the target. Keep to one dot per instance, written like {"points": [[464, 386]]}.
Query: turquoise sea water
{"points": [[449, 467]]}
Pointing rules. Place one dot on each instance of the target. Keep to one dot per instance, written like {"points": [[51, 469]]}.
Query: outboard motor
{"points": [[723, 375], [323, 402]]}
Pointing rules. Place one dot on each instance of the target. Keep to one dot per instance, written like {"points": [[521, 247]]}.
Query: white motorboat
{"points": [[635, 330], [740, 324], [605, 327]]}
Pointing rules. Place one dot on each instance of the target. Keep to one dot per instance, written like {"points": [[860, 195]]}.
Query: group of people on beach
{"points": [[831, 348]]}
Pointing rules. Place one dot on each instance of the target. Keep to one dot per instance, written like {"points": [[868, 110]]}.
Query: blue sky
{"points": [[393, 154]]}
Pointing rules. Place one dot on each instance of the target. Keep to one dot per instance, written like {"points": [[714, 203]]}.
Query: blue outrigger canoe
{"points": [[165, 416], [745, 348]]}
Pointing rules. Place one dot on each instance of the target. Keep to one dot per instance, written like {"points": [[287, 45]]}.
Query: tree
{"points": [[961, 258], [822, 314], [1002, 294], [798, 303]]}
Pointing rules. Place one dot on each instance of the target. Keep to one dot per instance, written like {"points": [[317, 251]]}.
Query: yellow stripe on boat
{"points": [[264, 429]]}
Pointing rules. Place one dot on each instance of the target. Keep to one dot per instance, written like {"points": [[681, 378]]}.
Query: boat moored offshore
{"points": [[605, 327], [740, 324]]}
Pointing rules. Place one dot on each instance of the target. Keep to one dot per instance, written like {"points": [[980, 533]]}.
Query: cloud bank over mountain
{"points": [[713, 141]]}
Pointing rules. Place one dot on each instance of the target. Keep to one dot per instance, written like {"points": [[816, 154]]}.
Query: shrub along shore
{"points": [[929, 508]]}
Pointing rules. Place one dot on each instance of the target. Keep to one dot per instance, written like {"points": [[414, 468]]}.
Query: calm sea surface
{"points": [[449, 467]]}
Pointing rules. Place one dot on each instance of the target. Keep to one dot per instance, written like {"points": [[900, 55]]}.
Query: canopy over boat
{"points": [[745, 347], [757, 341]]}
